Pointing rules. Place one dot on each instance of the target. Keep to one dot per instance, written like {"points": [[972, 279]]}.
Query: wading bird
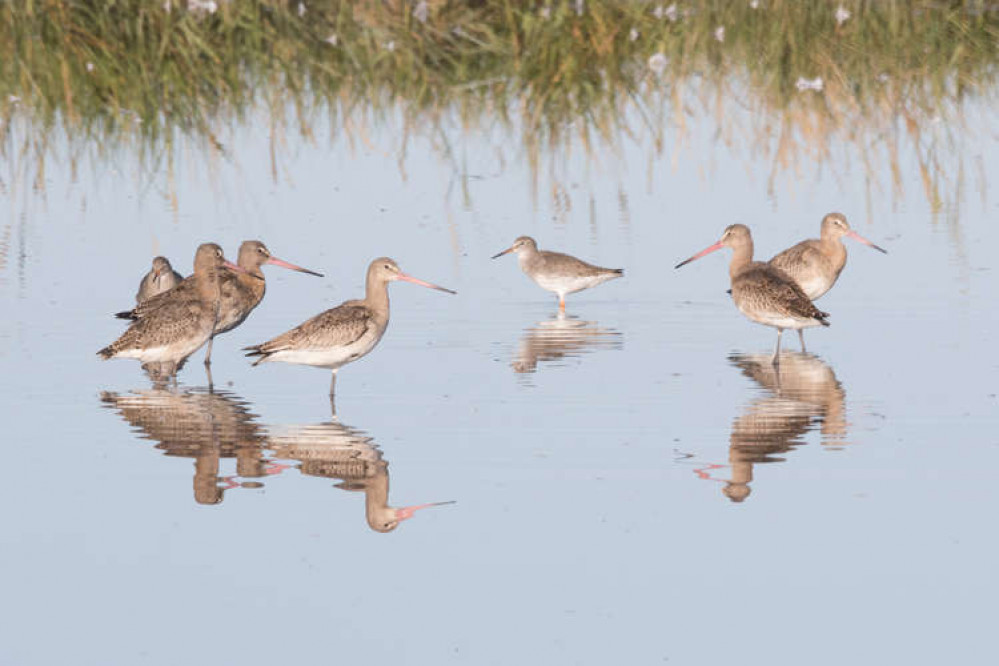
{"points": [[816, 264], [763, 293], [343, 334], [556, 272]]}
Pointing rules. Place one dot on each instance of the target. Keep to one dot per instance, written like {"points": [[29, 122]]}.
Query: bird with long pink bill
{"points": [[343, 334], [241, 292], [816, 264], [183, 322], [762, 292]]}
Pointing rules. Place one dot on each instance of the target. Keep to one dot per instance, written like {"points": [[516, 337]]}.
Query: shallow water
{"points": [[629, 482]]}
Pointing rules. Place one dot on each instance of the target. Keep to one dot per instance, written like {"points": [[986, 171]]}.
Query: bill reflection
{"points": [[336, 451], [800, 396]]}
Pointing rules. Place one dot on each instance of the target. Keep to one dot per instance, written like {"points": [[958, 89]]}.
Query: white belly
{"points": [[171, 353], [568, 285], [783, 322], [814, 287], [330, 357]]}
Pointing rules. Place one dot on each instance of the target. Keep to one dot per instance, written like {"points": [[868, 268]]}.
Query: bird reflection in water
{"points": [[559, 338], [201, 424], [336, 451], [801, 394]]}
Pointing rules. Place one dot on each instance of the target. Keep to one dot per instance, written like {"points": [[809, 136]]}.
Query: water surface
{"points": [[630, 482]]}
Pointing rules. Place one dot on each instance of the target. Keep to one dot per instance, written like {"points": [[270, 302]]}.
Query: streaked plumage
{"points": [[558, 273], [815, 265], [241, 292], [161, 278], [343, 334], [763, 293], [164, 338]]}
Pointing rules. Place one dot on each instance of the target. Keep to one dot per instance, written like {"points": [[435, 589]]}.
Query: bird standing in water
{"points": [[162, 277], [559, 273], [241, 291], [815, 265], [343, 334], [163, 339], [763, 293]]}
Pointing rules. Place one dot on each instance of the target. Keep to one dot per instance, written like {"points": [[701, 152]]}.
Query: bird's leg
{"points": [[208, 371], [801, 336], [776, 359], [332, 406], [561, 304], [208, 353], [332, 386]]}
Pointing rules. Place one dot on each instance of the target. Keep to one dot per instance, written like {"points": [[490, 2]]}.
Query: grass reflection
{"points": [[143, 75]]}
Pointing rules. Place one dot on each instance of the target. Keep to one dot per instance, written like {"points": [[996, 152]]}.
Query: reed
{"points": [[112, 75]]}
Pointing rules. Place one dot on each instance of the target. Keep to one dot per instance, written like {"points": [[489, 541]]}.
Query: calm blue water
{"points": [[594, 462]]}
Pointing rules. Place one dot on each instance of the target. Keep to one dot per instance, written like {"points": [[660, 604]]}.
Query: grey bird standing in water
{"points": [[558, 273]]}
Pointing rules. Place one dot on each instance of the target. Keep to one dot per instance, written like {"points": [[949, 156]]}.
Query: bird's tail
{"points": [[617, 271], [107, 352], [821, 316], [257, 351]]}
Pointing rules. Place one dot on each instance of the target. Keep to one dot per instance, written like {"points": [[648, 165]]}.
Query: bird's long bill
{"points": [[285, 264], [707, 250], [857, 237], [407, 512], [500, 254], [410, 278], [233, 267]]}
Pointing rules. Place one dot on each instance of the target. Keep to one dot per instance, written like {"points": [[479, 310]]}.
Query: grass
{"points": [[140, 75]]}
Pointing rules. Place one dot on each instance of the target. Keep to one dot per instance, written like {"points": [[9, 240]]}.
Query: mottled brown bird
{"points": [[816, 264], [163, 339], [344, 334], [241, 291], [763, 293]]}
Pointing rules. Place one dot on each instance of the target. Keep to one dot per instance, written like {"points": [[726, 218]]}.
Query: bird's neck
{"points": [[376, 508], [254, 282], [742, 256], [209, 282], [376, 295], [527, 256], [833, 247]]}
